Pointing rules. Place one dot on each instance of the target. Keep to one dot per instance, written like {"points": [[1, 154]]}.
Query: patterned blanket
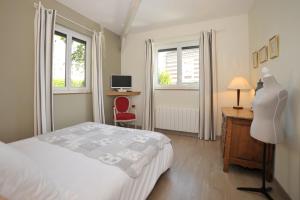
{"points": [[128, 149]]}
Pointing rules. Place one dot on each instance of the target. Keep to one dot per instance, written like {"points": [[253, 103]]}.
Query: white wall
{"points": [[232, 57], [267, 18]]}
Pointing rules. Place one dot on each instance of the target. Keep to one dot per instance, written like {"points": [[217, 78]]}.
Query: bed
{"points": [[78, 175]]}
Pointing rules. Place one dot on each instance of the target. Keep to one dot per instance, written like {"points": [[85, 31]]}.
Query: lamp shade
{"points": [[239, 83]]}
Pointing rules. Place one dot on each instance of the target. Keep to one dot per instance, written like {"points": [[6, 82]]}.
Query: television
{"points": [[121, 81]]}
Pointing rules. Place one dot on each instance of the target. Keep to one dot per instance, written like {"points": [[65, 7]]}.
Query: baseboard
{"points": [[195, 135], [282, 191], [176, 132], [173, 132]]}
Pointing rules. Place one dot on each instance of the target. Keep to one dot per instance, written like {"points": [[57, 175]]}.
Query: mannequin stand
{"points": [[263, 189]]}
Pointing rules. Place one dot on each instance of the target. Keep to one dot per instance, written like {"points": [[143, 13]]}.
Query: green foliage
{"points": [[165, 78], [78, 83], [61, 38], [59, 83], [79, 54]]}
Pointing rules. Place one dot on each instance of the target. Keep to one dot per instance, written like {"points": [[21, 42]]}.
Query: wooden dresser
{"points": [[238, 147]]}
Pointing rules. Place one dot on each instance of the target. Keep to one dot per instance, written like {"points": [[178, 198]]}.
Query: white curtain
{"points": [[148, 118], [44, 24], [97, 83], [208, 107]]}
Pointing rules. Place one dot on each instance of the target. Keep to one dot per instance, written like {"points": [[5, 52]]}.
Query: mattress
{"points": [[90, 179]]}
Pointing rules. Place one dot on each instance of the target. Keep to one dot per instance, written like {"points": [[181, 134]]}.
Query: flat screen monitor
{"points": [[121, 81]]}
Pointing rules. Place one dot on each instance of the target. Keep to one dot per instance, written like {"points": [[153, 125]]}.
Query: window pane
{"points": [[167, 66], [59, 60], [190, 64], [78, 68]]}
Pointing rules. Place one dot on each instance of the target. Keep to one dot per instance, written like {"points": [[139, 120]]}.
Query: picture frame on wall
{"points": [[255, 59], [263, 55], [274, 46]]}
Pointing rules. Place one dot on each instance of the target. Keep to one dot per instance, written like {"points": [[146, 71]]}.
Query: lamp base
{"points": [[238, 107]]}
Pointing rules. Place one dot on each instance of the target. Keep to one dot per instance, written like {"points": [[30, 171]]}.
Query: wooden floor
{"points": [[197, 173]]}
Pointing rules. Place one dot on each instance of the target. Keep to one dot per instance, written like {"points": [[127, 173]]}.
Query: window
{"points": [[71, 61], [190, 64], [167, 66], [177, 65]]}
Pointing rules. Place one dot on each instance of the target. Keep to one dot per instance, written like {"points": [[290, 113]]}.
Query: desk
{"points": [[116, 93]]}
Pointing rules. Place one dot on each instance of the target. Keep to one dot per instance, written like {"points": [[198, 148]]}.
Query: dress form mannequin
{"points": [[268, 105]]}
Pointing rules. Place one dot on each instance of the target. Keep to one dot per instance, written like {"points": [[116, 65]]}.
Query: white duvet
{"points": [[89, 179]]}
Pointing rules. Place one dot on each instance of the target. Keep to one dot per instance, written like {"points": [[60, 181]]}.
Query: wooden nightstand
{"points": [[238, 146]]}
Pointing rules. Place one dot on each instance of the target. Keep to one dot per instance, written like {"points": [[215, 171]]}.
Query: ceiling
{"points": [[109, 13], [156, 13]]}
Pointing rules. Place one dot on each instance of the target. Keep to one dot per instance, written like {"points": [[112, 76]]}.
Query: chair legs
{"points": [[126, 124]]}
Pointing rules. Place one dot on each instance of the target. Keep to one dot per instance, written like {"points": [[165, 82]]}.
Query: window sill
{"points": [[176, 87], [71, 92]]}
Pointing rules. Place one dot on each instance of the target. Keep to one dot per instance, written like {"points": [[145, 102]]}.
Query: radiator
{"points": [[177, 118]]}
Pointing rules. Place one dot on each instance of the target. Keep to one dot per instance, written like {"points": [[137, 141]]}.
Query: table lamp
{"points": [[239, 83]]}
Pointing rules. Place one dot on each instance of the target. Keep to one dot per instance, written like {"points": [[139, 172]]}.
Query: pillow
{"points": [[21, 179]]}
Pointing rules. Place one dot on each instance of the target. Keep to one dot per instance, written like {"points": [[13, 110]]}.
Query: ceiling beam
{"points": [[134, 6]]}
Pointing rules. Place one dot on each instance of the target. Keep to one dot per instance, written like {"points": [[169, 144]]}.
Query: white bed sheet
{"points": [[90, 179]]}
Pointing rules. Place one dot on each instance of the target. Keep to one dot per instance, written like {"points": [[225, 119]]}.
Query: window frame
{"points": [[70, 34], [179, 85]]}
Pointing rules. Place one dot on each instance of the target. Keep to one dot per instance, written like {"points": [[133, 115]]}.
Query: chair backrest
{"points": [[121, 104]]}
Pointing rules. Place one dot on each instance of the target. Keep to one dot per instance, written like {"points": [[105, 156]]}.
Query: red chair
{"points": [[121, 111]]}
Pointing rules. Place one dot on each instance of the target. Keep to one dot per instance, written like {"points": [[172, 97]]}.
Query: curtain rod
{"points": [[69, 20], [179, 37], [174, 38]]}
